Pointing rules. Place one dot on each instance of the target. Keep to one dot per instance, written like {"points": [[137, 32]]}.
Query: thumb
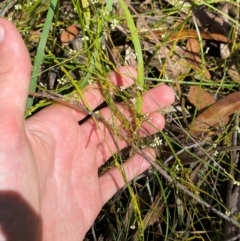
{"points": [[15, 71]]}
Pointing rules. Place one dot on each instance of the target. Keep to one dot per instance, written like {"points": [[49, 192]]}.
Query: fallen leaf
{"points": [[35, 36], [68, 35], [193, 45], [232, 61], [153, 215], [216, 114], [186, 33], [193, 48], [199, 97]]}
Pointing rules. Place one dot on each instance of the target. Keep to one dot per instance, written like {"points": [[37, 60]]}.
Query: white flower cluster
{"points": [[105, 13], [86, 38], [228, 213], [139, 87], [133, 100], [20, 6], [62, 81], [72, 52], [114, 23], [156, 142], [236, 183], [86, 28], [215, 153], [90, 81]]}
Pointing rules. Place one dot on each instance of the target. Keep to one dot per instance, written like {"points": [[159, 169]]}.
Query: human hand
{"points": [[49, 183]]}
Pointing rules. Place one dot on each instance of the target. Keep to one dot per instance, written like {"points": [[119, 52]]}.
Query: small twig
{"points": [[9, 5]]}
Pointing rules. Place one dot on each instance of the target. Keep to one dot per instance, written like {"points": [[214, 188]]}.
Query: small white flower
{"points": [[214, 145], [238, 129], [236, 183], [133, 226], [105, 12], [90, 81], [215, 153], [149, 119], [18, 6], [122, 88], [228, 213], [133, 100], [62, 81], [114, 23], [139, 87], [207, 49], [86, 38], [177, 168], [134, 55], [72, 52]]}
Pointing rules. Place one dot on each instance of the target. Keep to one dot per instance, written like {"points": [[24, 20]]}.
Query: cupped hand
{"points": [[49, 183]]}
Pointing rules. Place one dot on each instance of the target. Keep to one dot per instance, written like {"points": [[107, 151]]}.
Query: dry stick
{"points": [[78, 107], [9, 5]]}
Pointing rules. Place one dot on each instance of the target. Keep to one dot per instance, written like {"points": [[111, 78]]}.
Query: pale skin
{"points": [[49, 163]]}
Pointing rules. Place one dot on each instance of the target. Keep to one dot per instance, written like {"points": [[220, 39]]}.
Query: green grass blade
{"points": [[138, 51], [40, 49]]}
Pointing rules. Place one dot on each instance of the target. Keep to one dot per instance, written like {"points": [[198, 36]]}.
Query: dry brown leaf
{"points": [[193, 48], [35, 36], [187, 33], [216, 114], [232, 61], [191, 33], [68, 35], [233, 71], [199, 97], [154, 213]]}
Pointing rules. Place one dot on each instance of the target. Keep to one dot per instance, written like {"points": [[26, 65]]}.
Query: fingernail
{"points": [[2, 33]]}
